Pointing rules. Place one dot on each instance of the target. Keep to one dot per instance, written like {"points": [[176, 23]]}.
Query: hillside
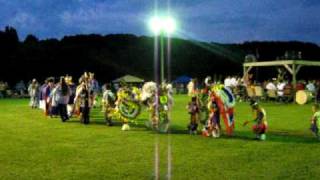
{"points": [[111, 56]]}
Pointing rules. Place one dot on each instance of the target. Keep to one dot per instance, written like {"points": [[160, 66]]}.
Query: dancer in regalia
{"points": [[33, 90], [72, 86], [93, 89], [315, 120], [193, 110], [85, 103], [108, 103], [213, 126], [260, 120], [54, 111], [46, 95], [62, 96]]}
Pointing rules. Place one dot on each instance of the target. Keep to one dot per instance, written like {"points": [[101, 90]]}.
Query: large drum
{"points": [[303, 97]]}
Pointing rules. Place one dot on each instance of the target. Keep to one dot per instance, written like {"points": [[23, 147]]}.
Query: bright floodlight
{"points": [[169, 25], [155, 25], [160, 24]]}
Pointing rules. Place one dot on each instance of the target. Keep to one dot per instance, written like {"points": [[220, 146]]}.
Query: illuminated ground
{"points": [[35, 147]]}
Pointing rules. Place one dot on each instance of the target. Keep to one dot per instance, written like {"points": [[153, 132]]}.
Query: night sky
{"points": [[223, 21]]}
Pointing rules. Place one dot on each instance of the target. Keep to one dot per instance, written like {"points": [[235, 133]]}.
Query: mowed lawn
{"points": [[36, 147]]}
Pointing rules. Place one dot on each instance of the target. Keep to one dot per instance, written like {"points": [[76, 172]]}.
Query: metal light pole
{"points": [[161, 58], [162, 26]]}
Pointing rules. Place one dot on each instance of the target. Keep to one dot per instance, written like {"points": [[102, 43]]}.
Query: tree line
{"points": [[114, 55]]}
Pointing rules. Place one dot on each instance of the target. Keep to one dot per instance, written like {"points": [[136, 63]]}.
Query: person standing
{"points": [[73, 87], [108, 103], [46, 95], [311, 87], [54, 111], [94, 89], [85, 104], [63, 94], [33, 90], [280, 90]]}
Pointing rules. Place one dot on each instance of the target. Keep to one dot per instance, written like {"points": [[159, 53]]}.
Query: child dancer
{"points": [[213, 124], [315, 120], [260, 119], [193, 109]]}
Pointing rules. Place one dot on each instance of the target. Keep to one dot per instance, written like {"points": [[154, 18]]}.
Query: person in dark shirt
{"points": [[85, 104]]}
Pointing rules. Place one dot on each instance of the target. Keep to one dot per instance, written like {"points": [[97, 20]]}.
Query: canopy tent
{"points": [[293, 66], [128, 79], [182, 80]]}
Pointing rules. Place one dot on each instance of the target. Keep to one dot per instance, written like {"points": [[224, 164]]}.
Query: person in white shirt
{"points": [[311, 87], [233, 82], [227, 82], [191, 88], [271, 86], [280, 88]]}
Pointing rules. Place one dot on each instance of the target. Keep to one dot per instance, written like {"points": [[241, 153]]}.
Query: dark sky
{"points": [[208, 20]]}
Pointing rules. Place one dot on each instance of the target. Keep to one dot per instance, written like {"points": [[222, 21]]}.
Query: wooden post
{"points": [[244, 71], [294, 76], [294, 82]]}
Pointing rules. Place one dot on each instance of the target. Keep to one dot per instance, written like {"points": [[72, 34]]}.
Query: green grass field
{"points": [[35, 147]]}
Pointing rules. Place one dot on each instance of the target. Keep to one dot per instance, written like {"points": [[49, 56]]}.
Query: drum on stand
{"points": [[303, 97]]}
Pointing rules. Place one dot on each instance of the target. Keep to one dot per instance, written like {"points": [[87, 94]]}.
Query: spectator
{"points": [[3, 89], [311, 87], [191, 87], [288, 92], [280, 87], [20, 88], [271, 86], [300, 86]]}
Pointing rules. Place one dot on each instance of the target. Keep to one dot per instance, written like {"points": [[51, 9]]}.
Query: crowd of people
{"points": [[279, 88], [209, 101], [65, 99], [212, 101]]}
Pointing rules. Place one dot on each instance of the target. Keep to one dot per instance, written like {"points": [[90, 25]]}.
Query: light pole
{"points": [[162, 26]]}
